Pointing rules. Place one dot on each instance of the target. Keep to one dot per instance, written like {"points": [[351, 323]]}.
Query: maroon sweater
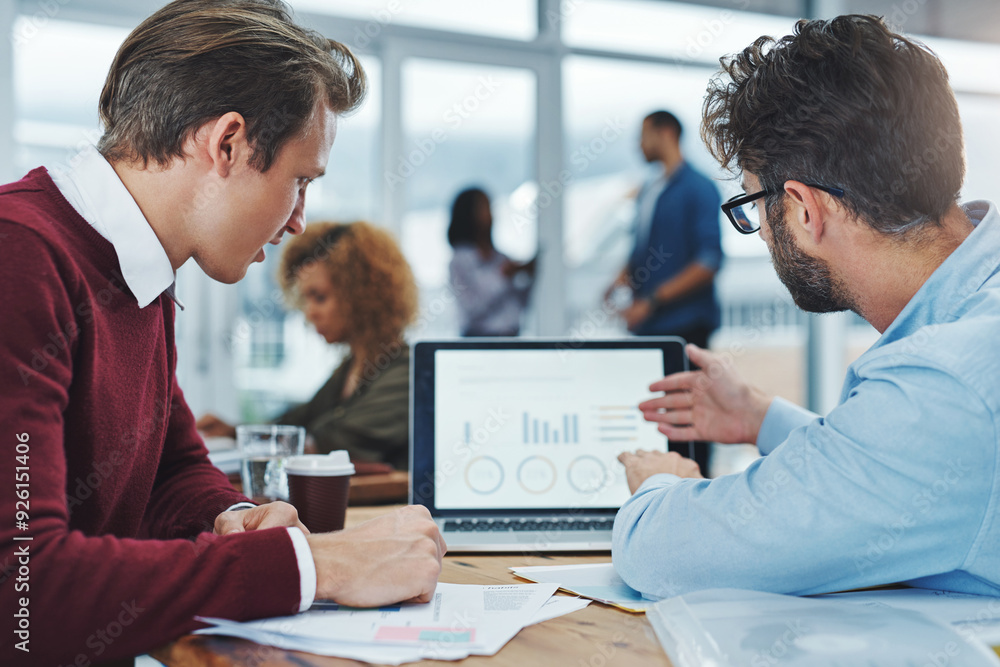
{"points": [[119, 496]]}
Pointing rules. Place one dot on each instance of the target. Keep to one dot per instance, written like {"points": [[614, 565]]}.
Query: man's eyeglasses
{"points": [[743, 212]]}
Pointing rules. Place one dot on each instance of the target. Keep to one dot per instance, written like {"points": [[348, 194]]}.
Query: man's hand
{"points": [[213, 427], [637, 313], [271, 515], [394, 558], [642, 465], [713, 403], [620, 279]]}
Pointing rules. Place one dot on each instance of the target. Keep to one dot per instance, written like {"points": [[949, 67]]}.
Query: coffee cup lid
{"points": [[320, 465]]}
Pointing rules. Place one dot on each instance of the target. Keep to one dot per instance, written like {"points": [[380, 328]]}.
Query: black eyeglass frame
{"points": [[740, 200]]}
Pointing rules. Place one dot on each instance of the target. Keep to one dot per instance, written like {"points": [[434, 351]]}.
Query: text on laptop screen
{"points": [[539, 428]]}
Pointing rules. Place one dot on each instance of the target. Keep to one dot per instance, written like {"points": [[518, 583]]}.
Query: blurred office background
{"points": [[538, 101]]}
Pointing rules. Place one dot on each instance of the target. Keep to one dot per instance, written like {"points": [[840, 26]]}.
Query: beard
{"points": [[808, 279]]}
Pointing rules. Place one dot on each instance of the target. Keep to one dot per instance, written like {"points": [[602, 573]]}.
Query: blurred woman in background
{"points": [[354, 285], [491, 289]]}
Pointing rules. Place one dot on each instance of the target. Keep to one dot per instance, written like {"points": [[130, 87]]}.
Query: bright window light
{"points": [[513, 19]]}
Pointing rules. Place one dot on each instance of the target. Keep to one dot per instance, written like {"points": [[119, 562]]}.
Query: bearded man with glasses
{"points": [[849, 145]]}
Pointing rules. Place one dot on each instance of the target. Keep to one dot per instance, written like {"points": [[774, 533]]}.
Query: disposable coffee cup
{"points": [[318, 486]]}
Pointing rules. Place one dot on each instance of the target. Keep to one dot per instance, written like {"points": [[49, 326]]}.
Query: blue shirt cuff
{"points": [[657, 481], [710, 260], [782, 418]]}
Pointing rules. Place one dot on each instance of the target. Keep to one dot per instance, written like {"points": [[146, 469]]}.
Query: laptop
{"points": [[514, 443]]}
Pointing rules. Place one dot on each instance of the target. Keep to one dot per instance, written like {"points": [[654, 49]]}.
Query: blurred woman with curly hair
{"points": [[354, 285]]}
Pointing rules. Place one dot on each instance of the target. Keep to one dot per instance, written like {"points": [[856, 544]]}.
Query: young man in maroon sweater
{"points": [[117, 530]]}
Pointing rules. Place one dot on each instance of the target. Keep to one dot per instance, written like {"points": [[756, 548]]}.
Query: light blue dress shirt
{"points": [[899, 483]]}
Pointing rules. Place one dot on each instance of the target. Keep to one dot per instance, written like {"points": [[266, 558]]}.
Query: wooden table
{"points": [[381, 489], [598, 636]]}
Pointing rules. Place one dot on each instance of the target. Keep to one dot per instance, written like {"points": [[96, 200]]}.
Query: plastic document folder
{"points": [[723, 627]]}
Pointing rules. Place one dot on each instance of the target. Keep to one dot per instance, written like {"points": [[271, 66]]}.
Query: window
{"points": [[56, 97], [673, 29], [465, 125], [514, 19], [488, 135]]}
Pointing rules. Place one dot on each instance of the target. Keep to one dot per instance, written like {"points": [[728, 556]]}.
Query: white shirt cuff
{"points": [[307, 567], [240, 506]]}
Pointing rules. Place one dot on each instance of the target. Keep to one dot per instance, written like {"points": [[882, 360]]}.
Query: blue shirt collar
{"points": [[942, 298]]}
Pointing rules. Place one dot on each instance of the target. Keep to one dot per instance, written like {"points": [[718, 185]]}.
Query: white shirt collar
{"points": [[98, 195]]}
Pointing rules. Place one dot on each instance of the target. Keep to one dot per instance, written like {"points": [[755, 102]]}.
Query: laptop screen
{"points": [[539, 428]]}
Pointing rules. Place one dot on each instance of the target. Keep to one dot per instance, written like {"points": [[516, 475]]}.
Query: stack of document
{"points": [[727, 627], [597, 581], [461, 620]]}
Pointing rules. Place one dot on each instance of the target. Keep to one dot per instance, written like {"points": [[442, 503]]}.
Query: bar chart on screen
{"points": [[540, 429]]}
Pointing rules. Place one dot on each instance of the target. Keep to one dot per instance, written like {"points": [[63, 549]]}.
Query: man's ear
{"points": [[227, 146], [805, 209]]}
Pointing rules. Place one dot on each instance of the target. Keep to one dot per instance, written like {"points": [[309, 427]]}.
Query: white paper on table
{"points": [[975, 616], [378, 653], [597, 581], [460, 620], [557, 606]]}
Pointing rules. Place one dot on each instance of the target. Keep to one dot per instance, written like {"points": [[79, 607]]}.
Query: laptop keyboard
{"points": [[503, 525]]}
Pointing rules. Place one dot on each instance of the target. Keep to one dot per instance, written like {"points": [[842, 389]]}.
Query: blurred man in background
{"points": [[677, 251]]}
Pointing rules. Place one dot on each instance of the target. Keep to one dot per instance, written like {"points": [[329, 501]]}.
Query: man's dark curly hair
{"points": [[846, 103]]}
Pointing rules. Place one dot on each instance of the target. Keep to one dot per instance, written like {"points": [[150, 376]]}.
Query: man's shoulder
{"points": [[962, 350], [695, 175], [29, 210], [695, 182]]}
